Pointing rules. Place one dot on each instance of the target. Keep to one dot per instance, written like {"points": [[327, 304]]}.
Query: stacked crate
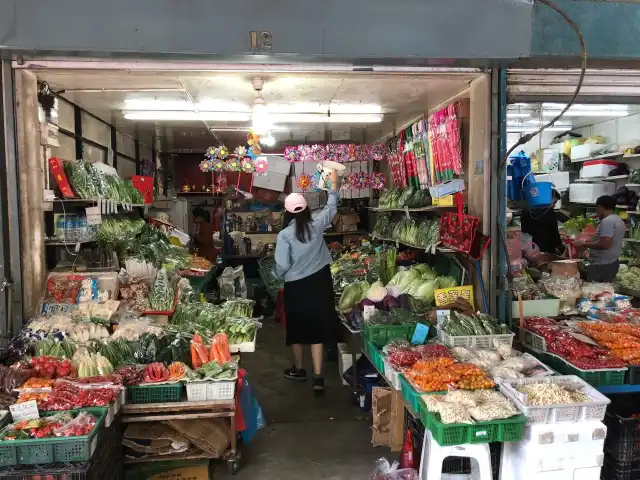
{"points": [[622, 446]]}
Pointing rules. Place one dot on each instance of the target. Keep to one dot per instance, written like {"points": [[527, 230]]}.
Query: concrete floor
{"points": [[306, 436]]}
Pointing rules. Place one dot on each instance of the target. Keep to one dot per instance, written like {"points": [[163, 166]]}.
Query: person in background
{"points": [[203, 234], [607, 244], [542, 225], [303, 259]]}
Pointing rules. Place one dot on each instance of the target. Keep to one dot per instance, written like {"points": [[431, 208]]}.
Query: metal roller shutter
{"points": [[556, 84]]}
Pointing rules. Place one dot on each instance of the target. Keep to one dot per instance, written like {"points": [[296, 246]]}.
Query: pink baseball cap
{"points": [[295, 203]]}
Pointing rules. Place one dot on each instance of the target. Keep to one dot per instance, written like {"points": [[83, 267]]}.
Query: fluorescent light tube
{"points": [[533, 129], [587, 113], [173, 115], [517, 115], [321, 118]]}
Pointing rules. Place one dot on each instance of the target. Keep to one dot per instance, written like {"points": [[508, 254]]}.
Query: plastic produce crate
{"points": [[220, 390], [155, 393], [475, 341], [596, 377], [576, 412], [380, 335], [51, 450], [411, 395], [535, 341], [616, 470], [447, 435], [623, 432], [375, 356], [633, 375]]}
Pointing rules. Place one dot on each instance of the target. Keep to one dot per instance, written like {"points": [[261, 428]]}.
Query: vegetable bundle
{"points": [[460, 325]]}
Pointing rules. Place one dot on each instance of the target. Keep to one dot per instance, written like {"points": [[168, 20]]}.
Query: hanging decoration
{"points": [[444, 134], [206, 165], [291, 154], [260, 165], [218, 165], [211, 153], [377, 180], [253, 139], [378, 152], [247, 165], [304, 182], [223, 152], [240, 151], [233, 165], [316, 153]]}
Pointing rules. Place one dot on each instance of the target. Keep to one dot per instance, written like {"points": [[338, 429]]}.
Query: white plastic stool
{"points": [[433, 455]]}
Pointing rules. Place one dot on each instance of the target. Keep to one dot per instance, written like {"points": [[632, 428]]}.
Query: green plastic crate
{"points": [[595, 378], [375, 356], [156, 393], [380, 335], [51, 450], [448, 435], [411, 395]]}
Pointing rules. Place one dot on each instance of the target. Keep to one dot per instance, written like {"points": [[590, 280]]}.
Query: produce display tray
{"points": [[51, 450], [411, 395], [633, 375], [534, 341], [245, 347], [623, 431], [571, 413], [380, 335], [202, 391], [448, 435], [109, 412], [163, 312], [391, 374], [474, 341], [375, 356], [155, 393], [597, 377]]}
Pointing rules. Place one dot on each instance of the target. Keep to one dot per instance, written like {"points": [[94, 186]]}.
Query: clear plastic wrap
{"points": [[386, 471], [232, 283], [595, 291]]}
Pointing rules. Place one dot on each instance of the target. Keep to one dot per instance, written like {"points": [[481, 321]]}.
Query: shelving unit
{"points": [[598, 157]]}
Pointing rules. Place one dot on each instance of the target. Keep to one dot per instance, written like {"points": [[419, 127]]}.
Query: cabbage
{"points": [[352, 295], [426, 291], [395, 281], [410, 277], [429, 276], [423, 268], [377, 292], [446, 282]]}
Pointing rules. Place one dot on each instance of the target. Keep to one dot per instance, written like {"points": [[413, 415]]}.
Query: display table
{"points": [[184, 410]]}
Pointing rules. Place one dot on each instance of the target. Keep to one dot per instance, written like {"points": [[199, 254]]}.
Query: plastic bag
{"points": [[595, 291], [386, 471], [81, 425], [232, 283]]}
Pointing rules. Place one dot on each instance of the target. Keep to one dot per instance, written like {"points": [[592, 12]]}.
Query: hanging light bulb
{"points": [[268, 141], [259, 117]]}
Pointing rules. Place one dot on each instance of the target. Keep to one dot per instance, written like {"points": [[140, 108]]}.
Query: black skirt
{"points": [[309, 307]]}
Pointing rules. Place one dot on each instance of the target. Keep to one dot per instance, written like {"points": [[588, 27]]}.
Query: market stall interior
{"points": [[131, 155]]}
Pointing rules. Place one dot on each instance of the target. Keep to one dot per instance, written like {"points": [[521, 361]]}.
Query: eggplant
{"points": [[390, 302], [622, 191]]}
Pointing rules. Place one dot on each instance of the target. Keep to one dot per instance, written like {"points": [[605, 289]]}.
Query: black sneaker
{"points": [[317, 384], [294, 373]]}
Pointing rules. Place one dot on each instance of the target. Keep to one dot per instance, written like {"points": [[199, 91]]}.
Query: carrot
{"points": [[195, 358], [197, 338]]}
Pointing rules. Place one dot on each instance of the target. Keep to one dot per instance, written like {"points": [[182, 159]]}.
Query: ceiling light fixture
{"points": [[190, 116], [587, 113], [268, 141], [518, 115], [524, 129], [587, 106]]}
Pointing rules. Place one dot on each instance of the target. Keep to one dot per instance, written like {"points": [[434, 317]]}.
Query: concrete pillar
{"points": [[32, 172]]}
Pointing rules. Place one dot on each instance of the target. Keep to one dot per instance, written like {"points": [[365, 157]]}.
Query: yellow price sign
{"points": [[446, 296]]}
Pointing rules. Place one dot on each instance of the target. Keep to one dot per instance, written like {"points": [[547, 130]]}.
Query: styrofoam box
{"points": [[560, 180], [597, 168], [345, 360], [278, 165], [591, 433], [550, 458], [585, 150], [589, 192], [270, 181]]}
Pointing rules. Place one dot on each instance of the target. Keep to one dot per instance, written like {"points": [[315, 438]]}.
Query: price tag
{"points": [[24, 411], [420, 334], [441, 316], [94, 216], [368, 311]]}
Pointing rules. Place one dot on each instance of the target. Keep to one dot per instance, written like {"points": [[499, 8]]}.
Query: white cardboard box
{"points": [[447, 188], [278, 165], [560, 180], [270, 181], [597, 168], [585, 150]]}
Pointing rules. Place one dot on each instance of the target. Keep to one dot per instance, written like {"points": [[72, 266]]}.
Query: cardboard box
{"points": [[381, 399], [565, 268], [278, 165], [271, 181], [447, 188], [446, 201], [193, 472], [346, 222]]}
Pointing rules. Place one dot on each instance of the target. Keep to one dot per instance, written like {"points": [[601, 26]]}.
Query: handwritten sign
{"points": [[24, 411]]}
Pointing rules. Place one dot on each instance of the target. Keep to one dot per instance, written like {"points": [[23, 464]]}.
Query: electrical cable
{"points": [[529, 136]]}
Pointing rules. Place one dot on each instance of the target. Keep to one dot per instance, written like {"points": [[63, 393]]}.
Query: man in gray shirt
{"points": [[607, 244]]}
